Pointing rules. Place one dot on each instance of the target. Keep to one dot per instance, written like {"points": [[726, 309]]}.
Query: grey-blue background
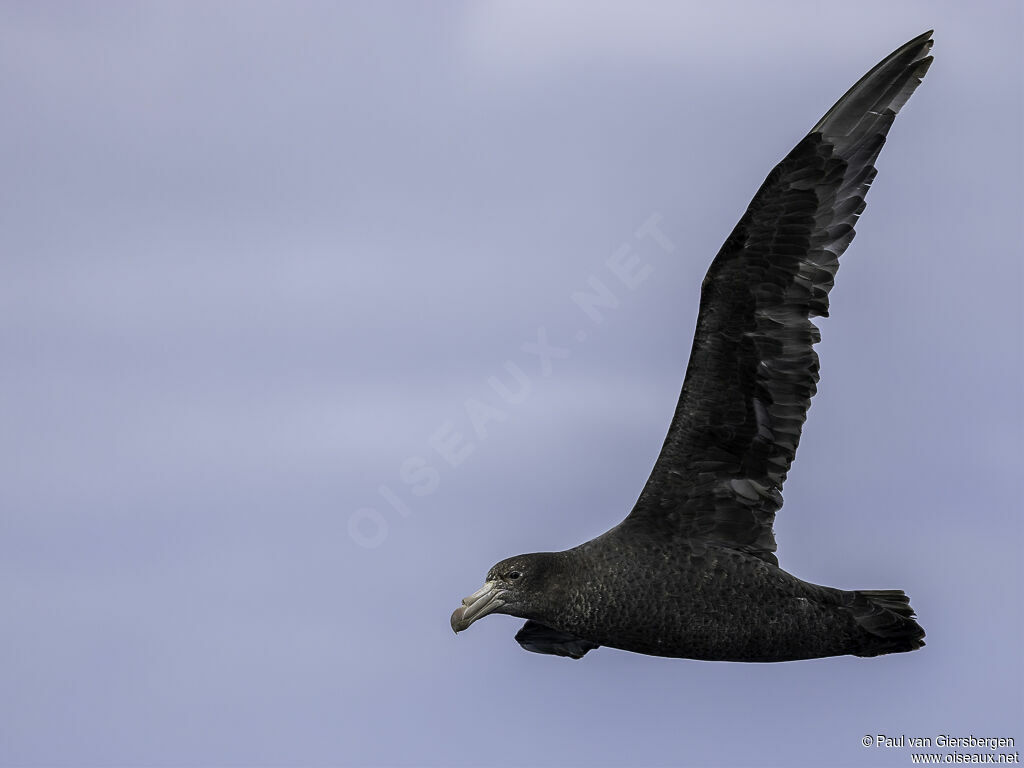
{"points": [[256, 255]]}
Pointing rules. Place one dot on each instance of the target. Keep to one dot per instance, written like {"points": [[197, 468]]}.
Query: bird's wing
{"points": [[541, 638], [753, 369]]}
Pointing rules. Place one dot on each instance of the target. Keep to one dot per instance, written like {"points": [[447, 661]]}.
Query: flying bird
{"points": [[691, 572]]}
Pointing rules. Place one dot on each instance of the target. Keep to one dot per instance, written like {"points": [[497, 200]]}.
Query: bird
{"points": [[691, 572]]}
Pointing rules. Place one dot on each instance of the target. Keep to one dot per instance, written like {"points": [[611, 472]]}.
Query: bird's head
{"points": [[518, 586]]}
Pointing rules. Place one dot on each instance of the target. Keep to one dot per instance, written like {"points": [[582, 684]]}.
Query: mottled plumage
{"points": [[691, 572]]}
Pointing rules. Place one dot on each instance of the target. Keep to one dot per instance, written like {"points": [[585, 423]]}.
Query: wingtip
{"points": [[924, 37], [885, 87], [923, 41]]}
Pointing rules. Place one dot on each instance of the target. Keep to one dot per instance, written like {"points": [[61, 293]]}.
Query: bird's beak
{"points": [[485, 600]]}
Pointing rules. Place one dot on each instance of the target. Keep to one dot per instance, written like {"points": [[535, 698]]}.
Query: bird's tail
{"points": [[886, 615]]}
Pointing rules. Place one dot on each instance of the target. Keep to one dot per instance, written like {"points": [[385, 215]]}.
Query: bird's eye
{"points": [[514, 575]]}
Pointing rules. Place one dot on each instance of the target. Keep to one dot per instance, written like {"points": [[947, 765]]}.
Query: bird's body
{"points": [[691, 572], [704, 601]]}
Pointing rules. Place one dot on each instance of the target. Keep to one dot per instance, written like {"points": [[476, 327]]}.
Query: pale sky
{"points": [[267, 269]]}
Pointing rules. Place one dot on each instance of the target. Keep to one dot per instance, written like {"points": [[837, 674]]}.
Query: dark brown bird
{"points": [[691, 572]]}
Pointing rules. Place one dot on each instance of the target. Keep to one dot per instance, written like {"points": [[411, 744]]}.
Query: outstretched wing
{"points": [[753, 369]]}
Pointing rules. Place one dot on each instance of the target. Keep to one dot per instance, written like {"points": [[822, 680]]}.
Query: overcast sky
{"points": [[267, 275]]}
